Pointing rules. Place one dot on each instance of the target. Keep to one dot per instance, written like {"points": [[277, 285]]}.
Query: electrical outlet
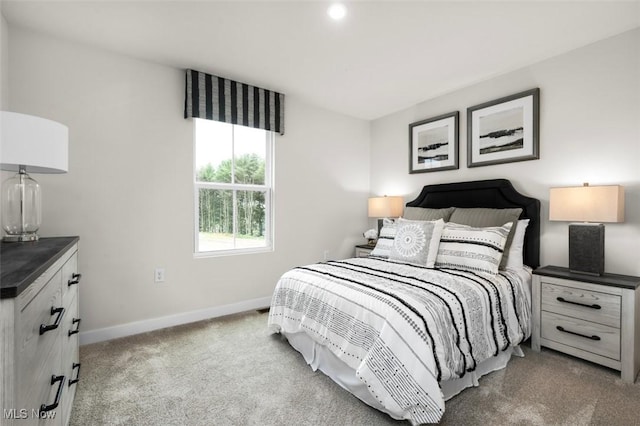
{"points": [[159, 275], [326, 254]]}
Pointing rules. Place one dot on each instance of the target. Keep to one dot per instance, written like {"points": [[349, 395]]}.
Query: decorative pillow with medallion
{"points": [[417, 241]]}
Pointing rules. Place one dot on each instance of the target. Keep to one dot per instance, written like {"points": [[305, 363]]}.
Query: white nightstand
{"points": [[363, 250], [596, 318]]}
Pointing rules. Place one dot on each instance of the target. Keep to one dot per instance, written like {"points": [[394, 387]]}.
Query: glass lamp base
{"points": [[21, 201], [20, 238]]}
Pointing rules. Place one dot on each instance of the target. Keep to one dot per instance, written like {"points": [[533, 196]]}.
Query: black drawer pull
{"points": [[77, 379], [577, 334], [54, 379], [563, 300], [75, 279], [56, 323], [77, 330]]}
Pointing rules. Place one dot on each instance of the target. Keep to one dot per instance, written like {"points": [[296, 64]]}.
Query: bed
{"points": [[405, 336]]}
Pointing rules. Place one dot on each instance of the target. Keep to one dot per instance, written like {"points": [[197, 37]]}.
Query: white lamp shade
{"points": [[587, 204], [41, 145], [385, 206]]}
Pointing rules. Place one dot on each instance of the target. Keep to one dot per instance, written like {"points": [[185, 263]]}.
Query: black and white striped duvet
{"points": [[403, 328]]}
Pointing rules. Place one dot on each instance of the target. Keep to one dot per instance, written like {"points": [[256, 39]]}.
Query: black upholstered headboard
{"points": [[495, 194]]}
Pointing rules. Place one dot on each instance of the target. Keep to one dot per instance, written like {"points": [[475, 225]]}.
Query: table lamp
{"points": [[33, 144], [383, 207], [590, 205]]}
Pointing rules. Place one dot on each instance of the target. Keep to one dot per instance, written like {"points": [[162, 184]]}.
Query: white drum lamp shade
{"points": [[28, 144]]}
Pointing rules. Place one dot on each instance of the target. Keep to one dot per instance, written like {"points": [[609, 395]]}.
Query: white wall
{"points": [[4, 61], [4, 78], [590, 132], [129, 191]]}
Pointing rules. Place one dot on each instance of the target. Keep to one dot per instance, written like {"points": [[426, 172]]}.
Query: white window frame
{"points": [[267, 188]]}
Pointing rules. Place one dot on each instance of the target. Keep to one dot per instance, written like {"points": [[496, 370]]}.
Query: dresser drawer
{"points": [[70, 279], [588, 305], [42, 391], [70, 332], [32, 345], [70, 357], [588, 336]]}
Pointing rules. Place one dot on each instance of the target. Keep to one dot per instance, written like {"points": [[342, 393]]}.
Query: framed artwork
{"points": [[433, 144], [504, 130]]}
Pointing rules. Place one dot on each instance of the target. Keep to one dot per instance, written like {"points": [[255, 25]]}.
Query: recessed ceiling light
{"points": [[337, 11]]}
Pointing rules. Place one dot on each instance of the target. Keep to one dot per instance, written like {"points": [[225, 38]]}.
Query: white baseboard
{"points": [[108, 333]]}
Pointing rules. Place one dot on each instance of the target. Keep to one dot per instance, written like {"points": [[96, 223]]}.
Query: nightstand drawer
{"points": [[588, 305], [588, 336]]}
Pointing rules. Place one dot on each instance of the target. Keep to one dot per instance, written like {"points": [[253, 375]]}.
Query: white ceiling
{"points": [[385, 56]]}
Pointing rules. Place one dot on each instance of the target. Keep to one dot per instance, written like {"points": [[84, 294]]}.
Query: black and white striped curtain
{"points": [[216, 98]]}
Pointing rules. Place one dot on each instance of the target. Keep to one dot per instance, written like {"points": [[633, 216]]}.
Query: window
{"points": [[232, 188]]}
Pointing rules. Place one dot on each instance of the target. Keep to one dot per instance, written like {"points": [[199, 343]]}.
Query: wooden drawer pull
{"points": [[75, 279], [77, 379], [56, 323], [563, 300], [54, 379], [77, 330], [577, 334]]}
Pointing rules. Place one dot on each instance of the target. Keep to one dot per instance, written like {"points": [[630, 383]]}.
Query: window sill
{"points": [[234, 252]]}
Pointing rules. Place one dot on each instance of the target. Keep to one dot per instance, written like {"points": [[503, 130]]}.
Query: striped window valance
{"points": [[216, 98]]}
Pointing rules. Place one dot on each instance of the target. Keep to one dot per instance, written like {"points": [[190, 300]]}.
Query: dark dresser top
{"points": [[613, 280], [21, 263]]}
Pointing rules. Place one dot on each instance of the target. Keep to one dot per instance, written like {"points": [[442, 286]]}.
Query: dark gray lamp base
{"points": [[586, 248]]}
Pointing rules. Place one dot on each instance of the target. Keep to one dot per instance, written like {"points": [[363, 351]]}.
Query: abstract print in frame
{"points": [[433, 144], [504, 130]]}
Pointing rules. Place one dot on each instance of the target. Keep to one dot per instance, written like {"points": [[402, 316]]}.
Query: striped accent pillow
{"points": [[482, 217], [472, 249], [385, 239]]}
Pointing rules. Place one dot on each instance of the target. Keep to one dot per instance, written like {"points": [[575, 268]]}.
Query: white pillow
{"points": [[416, 241], [385, 239], [516, 253], [472, 249]]}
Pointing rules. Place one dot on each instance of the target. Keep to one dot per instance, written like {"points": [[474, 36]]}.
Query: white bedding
{"points": [[321, 358], [403, 329]]}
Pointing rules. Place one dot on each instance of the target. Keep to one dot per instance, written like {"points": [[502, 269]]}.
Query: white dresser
{"points": [[39, 325]]}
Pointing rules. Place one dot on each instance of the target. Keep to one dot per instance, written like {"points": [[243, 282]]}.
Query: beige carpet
{"points": [[229, 371]]}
